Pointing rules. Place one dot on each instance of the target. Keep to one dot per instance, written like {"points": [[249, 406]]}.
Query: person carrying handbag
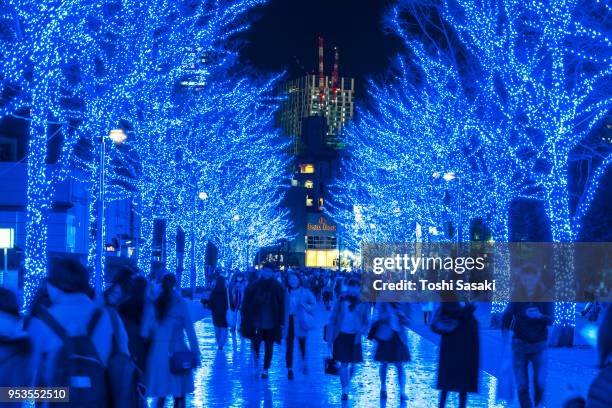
{"points": [[170, 361], [389, 331], [348, 321]]}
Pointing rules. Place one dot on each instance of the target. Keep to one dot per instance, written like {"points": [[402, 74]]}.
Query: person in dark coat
{"points": [[16, 368], [459, 360], [131, 312], [601, 387], [247, 325], [390, 323], [529, 322], [218, 304], [265, 302]]}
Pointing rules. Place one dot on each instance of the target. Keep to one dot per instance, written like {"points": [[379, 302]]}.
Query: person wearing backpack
{"points": [[15, 346], [72, 338], [170, 361]]}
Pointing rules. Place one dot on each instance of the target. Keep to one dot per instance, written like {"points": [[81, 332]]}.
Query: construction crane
{"points": [[321, 78]]}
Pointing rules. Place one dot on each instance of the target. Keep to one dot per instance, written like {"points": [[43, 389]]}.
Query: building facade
{"points": [[314, 169], [304, 99]]}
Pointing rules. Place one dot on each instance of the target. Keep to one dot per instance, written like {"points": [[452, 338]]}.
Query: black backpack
{"points": [[78, 365]]}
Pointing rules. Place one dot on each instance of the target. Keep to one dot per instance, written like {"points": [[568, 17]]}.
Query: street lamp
{"points": [[117, 136], [202, 196], [450, 176], [7, 241]]}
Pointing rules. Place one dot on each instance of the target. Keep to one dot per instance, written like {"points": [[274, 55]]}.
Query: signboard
{"points": [[318, 224]]}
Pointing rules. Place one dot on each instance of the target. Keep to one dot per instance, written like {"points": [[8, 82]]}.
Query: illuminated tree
{"points": [[46, 71], [533, 81], [546, 66]]}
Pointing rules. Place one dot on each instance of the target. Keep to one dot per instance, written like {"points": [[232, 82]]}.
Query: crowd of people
{"points": [[137, 341]]}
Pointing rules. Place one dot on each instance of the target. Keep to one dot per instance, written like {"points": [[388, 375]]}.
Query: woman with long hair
{"points": [[458, 371], [390, 323], [300, 303], [165, 322], [218, 305], [132, 314], [348, 322]]}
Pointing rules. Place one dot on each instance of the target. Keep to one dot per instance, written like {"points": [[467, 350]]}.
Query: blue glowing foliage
{"points": [[498, 96], [165, 72], [46, 66]]}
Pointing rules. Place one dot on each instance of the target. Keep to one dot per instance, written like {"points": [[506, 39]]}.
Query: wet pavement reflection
{"points": [[227, 377]]}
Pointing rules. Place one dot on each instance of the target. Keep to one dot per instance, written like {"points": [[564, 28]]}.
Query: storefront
{"points": [[321, 242]]}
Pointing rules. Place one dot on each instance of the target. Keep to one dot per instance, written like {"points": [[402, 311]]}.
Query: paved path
{"points": [[227, 379], [570, 370]]}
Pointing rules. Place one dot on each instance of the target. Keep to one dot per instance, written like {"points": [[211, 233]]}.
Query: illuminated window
{"points": [[307, 168], [295, 183], [320, 202], [309, 201], [308, 184]]}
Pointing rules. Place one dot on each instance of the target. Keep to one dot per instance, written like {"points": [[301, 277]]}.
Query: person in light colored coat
{"points": [[165, 322], [68, 290], [299, 307]]}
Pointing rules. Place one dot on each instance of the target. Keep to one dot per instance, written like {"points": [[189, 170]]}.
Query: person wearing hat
{"points": [[15, 346]]}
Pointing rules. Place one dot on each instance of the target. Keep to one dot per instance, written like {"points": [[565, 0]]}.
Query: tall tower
{"points": [[316, 94], [321, 77]]}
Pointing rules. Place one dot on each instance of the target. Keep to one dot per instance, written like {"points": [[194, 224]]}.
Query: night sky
{"points": [[284, 34]]}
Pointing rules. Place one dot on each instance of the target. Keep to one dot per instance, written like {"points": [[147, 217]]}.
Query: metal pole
{"points": [[339, 248], [100, 224], [5, 267], [459, 197], [192, 276]]}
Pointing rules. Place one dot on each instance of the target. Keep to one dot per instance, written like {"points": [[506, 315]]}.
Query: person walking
{"points": [[166, 322], [266, 301], [601, 388], [328, 292], [218, 305], [114, 296], [348, 321], [247, 324], [300, 320], [389, 330], [459, 359], [73, 321], [16, 369], [427, 308], [236, 288], [529, 321], [131, 312]]}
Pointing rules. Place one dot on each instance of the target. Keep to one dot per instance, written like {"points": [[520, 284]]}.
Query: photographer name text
{"points": [[426, 285]]}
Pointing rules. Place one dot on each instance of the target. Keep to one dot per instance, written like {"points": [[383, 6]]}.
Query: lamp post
{"points": [[117, 136], [450, 176], [7, 241], [201, 196]]}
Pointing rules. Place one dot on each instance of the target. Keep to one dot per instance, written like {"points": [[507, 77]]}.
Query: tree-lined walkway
{"points": [[227, 379]]}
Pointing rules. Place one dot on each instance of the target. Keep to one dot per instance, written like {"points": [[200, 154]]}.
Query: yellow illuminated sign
{"points": [[322, 225]]}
